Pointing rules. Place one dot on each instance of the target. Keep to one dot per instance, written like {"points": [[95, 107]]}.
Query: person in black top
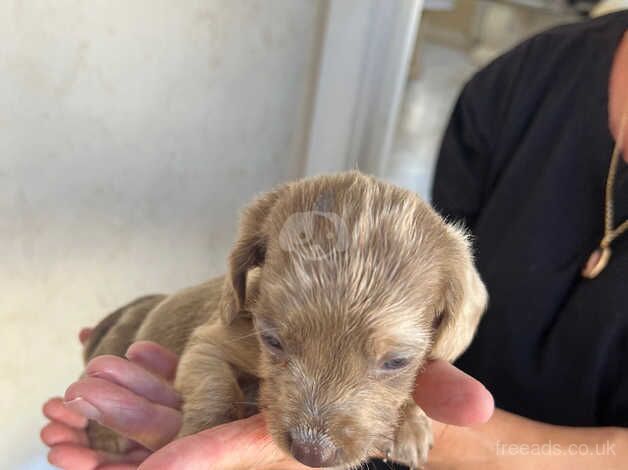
{"points": [[524, 165]]}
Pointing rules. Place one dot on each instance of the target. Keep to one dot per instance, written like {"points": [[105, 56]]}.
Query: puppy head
{"points": [[360, 282]]}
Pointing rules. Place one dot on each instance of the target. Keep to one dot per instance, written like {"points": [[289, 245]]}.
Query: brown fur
{"points": [[347, 273]]}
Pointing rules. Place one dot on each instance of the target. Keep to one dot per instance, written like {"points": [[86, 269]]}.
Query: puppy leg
{"points": [[413, 438], [213, 400], [102, 438], [115, 333]]}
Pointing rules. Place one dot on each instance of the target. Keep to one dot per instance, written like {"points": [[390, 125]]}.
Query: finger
{"points": [[154, 357], [236, 445], [209, 446], [118, 466], [135, 378], [449, 395], [57, 433], [123, 411], [74, 457], [84, 334], [55, 411]]}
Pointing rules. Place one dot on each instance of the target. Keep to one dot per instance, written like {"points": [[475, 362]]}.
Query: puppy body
{"points": [[339, 289]]}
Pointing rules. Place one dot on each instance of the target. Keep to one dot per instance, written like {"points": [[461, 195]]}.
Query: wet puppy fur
{"points": [[339, 289]]}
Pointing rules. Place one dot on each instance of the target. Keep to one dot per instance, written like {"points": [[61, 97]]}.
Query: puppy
{"points": [[339, 289]]}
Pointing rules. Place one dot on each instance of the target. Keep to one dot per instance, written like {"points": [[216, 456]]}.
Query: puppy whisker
{"points": [[254, 333]]}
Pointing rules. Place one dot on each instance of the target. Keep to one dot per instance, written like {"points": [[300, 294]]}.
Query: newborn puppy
{"points": [[340, 288]]}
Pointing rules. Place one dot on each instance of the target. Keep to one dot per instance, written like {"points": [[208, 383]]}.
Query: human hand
{"points": [[134, 397], [445, 393]]}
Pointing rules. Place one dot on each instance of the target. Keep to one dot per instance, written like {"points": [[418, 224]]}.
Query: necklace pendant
{"points": [[596, 262]]}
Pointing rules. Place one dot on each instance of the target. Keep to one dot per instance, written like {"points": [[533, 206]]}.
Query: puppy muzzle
{"points": [[313, 451]]}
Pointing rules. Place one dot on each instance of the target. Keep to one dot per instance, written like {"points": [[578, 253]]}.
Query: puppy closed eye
{"points": [[268, 335], [271, 342], [394, 364]]}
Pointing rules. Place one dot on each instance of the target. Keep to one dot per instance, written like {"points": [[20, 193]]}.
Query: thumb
{"points": [[238, 445], [449, 395]]}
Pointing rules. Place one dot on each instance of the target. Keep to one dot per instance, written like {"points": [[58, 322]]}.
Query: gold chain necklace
{"points": [[602, 255]]}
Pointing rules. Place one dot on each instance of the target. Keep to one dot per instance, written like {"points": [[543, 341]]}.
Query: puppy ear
{"points": [[463, 303], [248, 252]]}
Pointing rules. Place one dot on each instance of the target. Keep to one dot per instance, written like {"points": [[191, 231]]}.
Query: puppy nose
{"points": [[311, 454]]}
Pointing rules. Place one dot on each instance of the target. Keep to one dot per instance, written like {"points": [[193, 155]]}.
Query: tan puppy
{"points": [[339, 289]]}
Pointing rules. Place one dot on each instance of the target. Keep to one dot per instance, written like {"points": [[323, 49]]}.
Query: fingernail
{"points": [[130, 353], [84, 408]]}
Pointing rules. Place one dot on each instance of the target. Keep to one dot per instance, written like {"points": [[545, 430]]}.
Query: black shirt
{"points": [[523, 163]]}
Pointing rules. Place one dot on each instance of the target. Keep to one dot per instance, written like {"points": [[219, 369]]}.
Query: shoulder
{"points": [[551, 54], [510, 90]]}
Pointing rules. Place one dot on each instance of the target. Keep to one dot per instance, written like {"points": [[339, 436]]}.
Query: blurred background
{"points": [[132, 132]]}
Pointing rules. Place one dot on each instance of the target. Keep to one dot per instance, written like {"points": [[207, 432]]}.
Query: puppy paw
{"points": [[413, 439], [102, 438]]}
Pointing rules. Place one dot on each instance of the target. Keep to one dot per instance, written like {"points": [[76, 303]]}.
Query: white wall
{"points": [[130, 134]]}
